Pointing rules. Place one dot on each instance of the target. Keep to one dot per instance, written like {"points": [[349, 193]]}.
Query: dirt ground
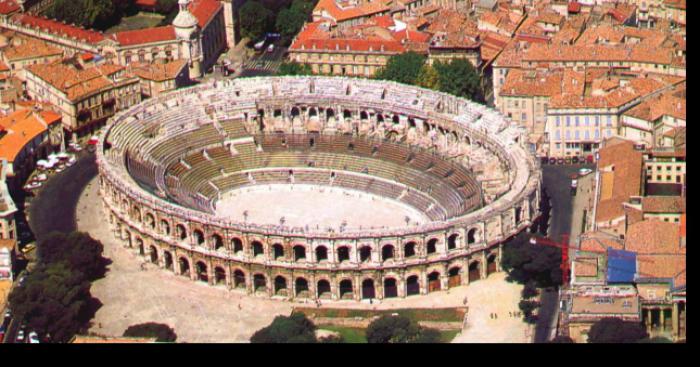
{"points": [[202, 313]]}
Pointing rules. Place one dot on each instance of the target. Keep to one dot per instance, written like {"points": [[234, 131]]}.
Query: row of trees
{"points": [[96, 14], [285, 17], [457, 76], [55, 299], [297, 328]]}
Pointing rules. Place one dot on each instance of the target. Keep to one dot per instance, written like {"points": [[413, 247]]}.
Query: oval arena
{"points": [[318, 187]]}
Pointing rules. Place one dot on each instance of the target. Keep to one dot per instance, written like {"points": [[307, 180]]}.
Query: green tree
{"points": [[287, 329], [427, 335], [428, 78], [54, 300], [162, 332], [529, 290], [294, 68], [392, 329], [459, 77], [615, 330], [289, 21], [166, 6], [255, 19], [78, 250], [524, 262], [402, 68], [99, 14]]}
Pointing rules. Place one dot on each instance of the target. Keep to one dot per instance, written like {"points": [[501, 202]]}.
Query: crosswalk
{"points": [[270, 66]]}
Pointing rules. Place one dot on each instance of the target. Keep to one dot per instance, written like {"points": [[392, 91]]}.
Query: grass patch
{"points": [[415, 314], [350, 335], [139, 21], [446, 336]]}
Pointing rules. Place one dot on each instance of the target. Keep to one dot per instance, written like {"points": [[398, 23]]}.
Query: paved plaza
{"points": [[134, 292]]}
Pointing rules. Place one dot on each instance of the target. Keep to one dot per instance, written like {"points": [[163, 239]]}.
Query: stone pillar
{"points": [[662, 318], [649, 321], [422, 282], [357, 287], [675, 320], [499, 257], [484, 265]]}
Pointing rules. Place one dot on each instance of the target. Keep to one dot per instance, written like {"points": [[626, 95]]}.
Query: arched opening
{"points": [[412, 286], [431, 247], [368, 289], [259, 283], [365, 254], [294, 113], [153, 253], [471, 236], [277, 251], [343, 254], [299, 253], [491, 265], [313, 112], [198, 236], [454, 277], [321, 253], [387, 252], [347, 114], [181, 231], [136, 214], [518, 213], [395, 119], [301, 287], [202, 271], [184, 267], [434, 281], [409, 249], [258, 248], [139, 245], [280, 286], [237, 245], [323, 289], [390, 288], [363, 116], [218, 242], [168, 260], [165, 227], [238, 279], [345, 288], [452, 241], [380, 118], [474, 271], [151, 220], [329, 114], [219, 275]]}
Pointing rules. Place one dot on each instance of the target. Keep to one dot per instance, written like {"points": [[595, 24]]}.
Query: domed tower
{"points": [[190, 41]]}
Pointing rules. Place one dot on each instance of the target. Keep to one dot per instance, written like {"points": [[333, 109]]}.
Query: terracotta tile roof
{"points": [[21, 127], [31, 48], [8, 6], [624, 181], [678, 4], [158, 72], [314, 38], [586, 266], [663, 204], [597, 53], [654, 236], [668, 103], [58, 28], [599, 242], [143, 36], [204, 10], [3, 67], [74, 82], [339, 14]]}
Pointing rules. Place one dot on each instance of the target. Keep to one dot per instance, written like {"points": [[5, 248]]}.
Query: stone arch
{"points": [[431, 246], [280, 286], [151, 220], [474, 271], [301, 287], [277, 251], [299, 253], [368, 289], [218, 241], [518, 215], [395, 119], [330, 113], [184, 266], [219, 275], [347, 114], [181, 231], [313, 112], [434, 281], [323, 289], [294, 112], [258, 249], [136, 213], [412, 285], [238, 279], [198, 236], [452, 241], [165, 227], [345, 290], [237, 245], [387, 252], [491, 264], [390, 288], [168, 260], [365, 254], [140, 246], [454, 276], [259, 282], [321, 253], [201, 269], [380, 118], [153, 254], [343, 254], [364, 115], [409, 249], [471, 236]]}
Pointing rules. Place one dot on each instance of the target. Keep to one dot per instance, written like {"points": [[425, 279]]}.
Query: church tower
{"points": [[190, 39]]}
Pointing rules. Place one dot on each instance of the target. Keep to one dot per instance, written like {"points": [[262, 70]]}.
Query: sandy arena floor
{"points": [[200, 313], [316, 206]]}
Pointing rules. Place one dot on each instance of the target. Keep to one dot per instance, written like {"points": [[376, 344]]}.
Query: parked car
{"points": [[584, 171], [271, 48], [33, 338], [20, 336]]}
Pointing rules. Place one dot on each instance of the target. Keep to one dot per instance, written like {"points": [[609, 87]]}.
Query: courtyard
{"points": [[140, 20]]}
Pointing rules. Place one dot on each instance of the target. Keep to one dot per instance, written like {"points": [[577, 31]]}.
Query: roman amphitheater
{"points": [[317, 187]]}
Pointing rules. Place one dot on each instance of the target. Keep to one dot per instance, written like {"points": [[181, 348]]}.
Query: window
{"points": [[524, 117], [558, 120], [557, 135], [586, 120], [568, 121], [597, 121], [578, 137], [577, 120], [568, 135], [609, 121]]}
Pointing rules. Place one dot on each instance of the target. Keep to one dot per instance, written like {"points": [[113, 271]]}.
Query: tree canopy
{"points": [[290, 20], [255, 19], [399, 329], [162, 332], [403, 68], [615, 330], [54, 300], [524, 262], [459, 77], [294, 68], [287, 329], [78, 250], [98, 14]]}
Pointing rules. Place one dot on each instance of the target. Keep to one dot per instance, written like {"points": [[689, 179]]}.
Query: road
{"points": [[265, 63]]}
